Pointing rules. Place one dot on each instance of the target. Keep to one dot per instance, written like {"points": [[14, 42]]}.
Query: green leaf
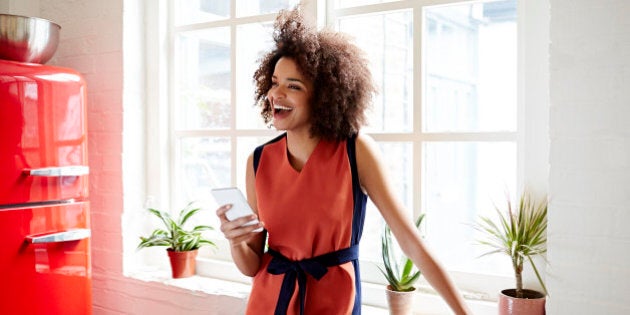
{"points": [[175, 235], [398, 271], [520, 233]]}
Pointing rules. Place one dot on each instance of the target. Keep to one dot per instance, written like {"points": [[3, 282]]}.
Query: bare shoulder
{"points": [[250, 160], [366, 145], [250, 183], [374, 177], [249, 167], [369, 161]]}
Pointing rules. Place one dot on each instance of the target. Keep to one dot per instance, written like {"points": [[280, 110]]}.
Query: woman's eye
{"points": [[294, 87]]}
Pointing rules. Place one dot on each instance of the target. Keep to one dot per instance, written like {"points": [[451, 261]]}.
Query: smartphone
{"points": [[240, 206]]}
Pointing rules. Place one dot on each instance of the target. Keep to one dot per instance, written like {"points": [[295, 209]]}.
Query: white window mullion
{"points": [[165, 196], [233, 96], [418, 101]]}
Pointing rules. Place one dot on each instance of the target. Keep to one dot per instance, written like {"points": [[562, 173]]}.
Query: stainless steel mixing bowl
{"points": [[27, 39]]}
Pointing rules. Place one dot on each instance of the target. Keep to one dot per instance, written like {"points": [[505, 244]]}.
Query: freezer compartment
{"points": [[45, 260], [43, 134]]}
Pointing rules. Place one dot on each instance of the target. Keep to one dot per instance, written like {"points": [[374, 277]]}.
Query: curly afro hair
{"points": [[343, 86]]}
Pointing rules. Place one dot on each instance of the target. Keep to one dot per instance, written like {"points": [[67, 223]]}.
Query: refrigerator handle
{"points": [[65, 236], [58, 171]]}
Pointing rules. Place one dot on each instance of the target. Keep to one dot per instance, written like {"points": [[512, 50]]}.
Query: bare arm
{"points": [[246, 246], [372, 175]]}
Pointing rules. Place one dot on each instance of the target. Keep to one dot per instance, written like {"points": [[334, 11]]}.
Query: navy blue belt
{"points": [[292, 270]]}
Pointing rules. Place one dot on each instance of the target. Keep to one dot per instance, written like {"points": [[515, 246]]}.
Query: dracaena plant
{"points": [[399, 271], [174, 235], [519, 233]]}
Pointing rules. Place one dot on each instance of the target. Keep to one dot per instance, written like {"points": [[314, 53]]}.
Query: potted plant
{"points": [[400, 274], [521, 234], [182, 244]]}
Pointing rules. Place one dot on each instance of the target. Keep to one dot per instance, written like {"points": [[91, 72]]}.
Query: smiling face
{"points": [[290, 95]]}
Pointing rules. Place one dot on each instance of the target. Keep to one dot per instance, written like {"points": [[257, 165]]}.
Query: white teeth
{"points": [[280, 107]]}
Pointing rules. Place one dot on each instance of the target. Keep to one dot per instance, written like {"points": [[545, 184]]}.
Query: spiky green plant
{"points": [[520, 233], [399, 271], [175, 236]]}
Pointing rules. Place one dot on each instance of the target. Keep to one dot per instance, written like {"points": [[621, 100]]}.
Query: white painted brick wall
{"points": [[589, 242], [20, 7]]}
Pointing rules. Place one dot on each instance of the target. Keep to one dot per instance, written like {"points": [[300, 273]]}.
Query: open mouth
{"points": [[278, 109]]}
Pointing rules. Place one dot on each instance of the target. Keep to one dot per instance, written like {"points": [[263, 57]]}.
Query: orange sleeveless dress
{"points": [[314, 219]]}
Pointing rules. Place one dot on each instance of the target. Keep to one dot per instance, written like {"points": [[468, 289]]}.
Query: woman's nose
{"points": [[275, 92]]}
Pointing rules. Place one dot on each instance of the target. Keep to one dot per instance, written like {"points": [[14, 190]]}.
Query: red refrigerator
{"points": [[45, 265]]}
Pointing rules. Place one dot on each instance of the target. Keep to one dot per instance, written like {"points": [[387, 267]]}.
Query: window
{"points": [[448, 117], [214, 124], [445, 118]]}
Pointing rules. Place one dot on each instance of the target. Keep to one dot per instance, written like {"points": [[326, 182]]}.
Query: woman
{"points": [[309, 186]]}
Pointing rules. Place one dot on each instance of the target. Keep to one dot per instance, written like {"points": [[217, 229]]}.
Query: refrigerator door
{"points": [[45, 265], [43, 134]]}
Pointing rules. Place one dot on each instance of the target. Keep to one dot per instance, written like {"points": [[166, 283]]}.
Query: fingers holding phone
{"points": [[240, 229], [236, 216]]}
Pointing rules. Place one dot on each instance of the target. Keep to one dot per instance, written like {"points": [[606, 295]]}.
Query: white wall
{"points": [[589, 238], [20, 7]]}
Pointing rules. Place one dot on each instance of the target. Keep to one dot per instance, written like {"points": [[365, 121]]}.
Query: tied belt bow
{"points": [[292, 270]]}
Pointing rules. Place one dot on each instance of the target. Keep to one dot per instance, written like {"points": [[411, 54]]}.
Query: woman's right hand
{"points": [[236, 232]]}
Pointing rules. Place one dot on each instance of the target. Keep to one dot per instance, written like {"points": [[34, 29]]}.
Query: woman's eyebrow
{"points": [[295, 80], [289, 79]]}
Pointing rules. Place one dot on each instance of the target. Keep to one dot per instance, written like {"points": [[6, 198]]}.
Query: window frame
{"points": [[475, 286], [531, 135]]}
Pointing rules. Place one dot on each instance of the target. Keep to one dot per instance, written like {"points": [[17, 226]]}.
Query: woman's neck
{"points": [[300, 146]]}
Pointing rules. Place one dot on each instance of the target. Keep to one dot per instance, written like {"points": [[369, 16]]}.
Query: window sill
{"points": [[373, 294], [218, 287], [195, 283]]}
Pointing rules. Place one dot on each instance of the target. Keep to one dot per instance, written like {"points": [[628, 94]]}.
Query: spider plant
{"points": [[520, 233], [399, 271], [175, 236]]}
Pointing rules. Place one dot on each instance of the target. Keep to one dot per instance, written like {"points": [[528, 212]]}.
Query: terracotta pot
{"points": [[400, 303], [533, 303], [182, 263]]}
